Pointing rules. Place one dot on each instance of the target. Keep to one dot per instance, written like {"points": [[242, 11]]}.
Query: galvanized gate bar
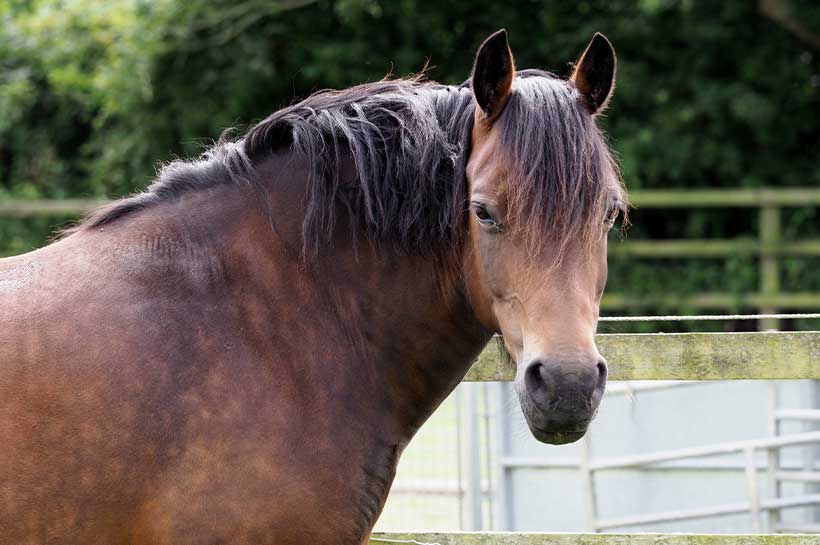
{"points": [[516, 538], [690, 356]]}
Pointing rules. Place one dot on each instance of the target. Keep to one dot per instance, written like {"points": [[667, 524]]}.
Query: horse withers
{"points": [[240, 353]]}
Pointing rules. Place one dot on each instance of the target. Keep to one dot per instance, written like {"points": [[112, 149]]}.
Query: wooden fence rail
{"points": [[517, 538], [689, 356], [647, 198], [21, 208]]}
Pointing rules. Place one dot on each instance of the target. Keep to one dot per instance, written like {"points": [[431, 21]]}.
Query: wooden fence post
{"points": [[769, 225]]}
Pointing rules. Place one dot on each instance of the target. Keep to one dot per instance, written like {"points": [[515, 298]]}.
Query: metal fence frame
{"points": [[666, 459]]}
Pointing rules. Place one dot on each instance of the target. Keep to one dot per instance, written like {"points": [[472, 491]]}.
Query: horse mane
{"points": [[409, 141]]}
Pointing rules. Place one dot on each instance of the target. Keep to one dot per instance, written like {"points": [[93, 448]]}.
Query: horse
{"points": [[240, 353]]}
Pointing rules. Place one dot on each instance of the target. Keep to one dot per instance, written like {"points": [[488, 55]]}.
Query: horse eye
{"points": [[485, 218], [612, 215], [482, 214]]}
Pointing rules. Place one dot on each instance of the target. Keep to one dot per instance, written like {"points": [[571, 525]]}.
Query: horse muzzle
{"points": [[560, 399]]}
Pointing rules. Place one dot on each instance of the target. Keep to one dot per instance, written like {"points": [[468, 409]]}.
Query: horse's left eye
{"points": [[612, 215]]}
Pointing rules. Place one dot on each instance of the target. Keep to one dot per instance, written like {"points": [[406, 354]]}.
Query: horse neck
{"points": [[413, 340], [363, 331], [383, 335], [355, 347]]}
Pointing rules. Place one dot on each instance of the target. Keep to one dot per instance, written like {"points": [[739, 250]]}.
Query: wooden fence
{"points": [[686, 356], [768, 246], [517, 538]]}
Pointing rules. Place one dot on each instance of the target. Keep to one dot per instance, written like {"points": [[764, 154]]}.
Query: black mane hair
{"points": [[409, 141]]}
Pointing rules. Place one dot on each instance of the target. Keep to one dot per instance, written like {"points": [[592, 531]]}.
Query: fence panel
{"points": [[517, 538]]}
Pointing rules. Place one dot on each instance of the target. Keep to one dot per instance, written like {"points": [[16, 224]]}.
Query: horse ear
{"points": [[594, 74], [493, 74]]}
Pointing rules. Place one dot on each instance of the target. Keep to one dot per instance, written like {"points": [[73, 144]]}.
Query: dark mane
{"points": [[409, 142], [407, 138], [222, 163]]}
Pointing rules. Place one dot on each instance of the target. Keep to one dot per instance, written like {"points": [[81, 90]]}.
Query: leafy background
{"points": [[93, 95]]}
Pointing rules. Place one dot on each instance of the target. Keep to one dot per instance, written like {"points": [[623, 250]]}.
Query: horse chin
{"points": [[545, 429], [557, 437]]}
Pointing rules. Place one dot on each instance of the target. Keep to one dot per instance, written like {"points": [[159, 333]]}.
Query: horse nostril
{"points": [[539, 384], [603, 371], [565, 389]]}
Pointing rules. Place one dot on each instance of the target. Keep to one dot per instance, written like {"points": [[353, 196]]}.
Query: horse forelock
{"points": [[560, 173]]}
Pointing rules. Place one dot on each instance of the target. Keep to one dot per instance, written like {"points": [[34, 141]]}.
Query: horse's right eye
{"points": [[482, 214], [486, 218]]}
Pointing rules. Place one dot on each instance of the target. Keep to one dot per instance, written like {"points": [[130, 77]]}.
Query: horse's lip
{"points": [[562, 437]]}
